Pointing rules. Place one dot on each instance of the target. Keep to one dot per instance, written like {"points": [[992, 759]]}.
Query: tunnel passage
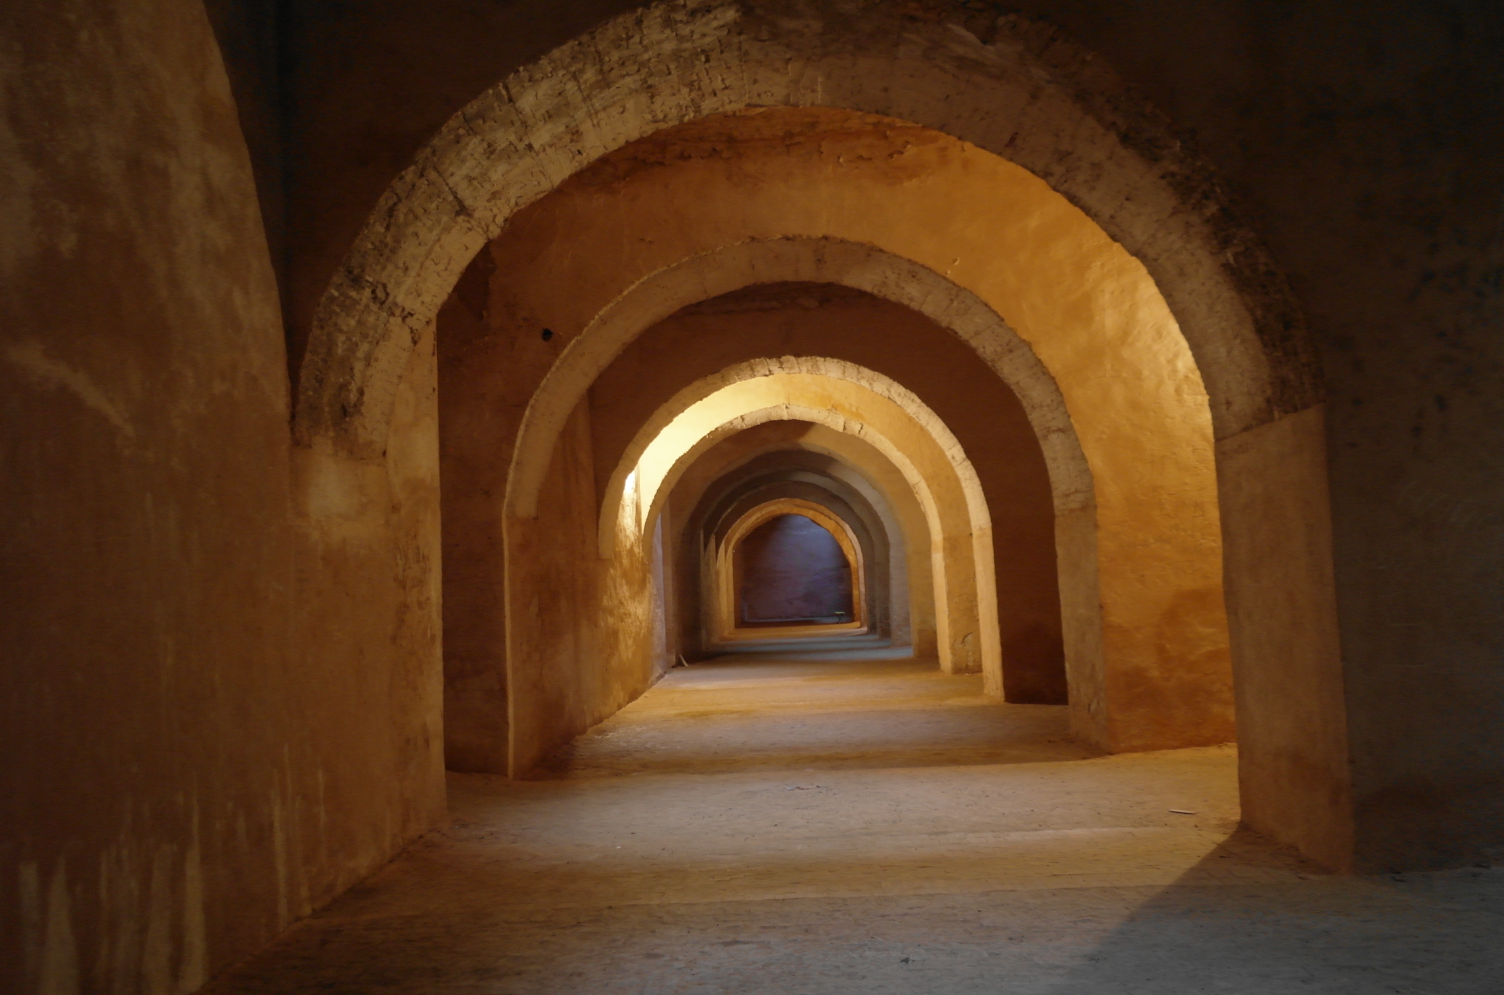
{"points": [[1000, 208], [793, 466], [1105, 536], [791, 570]]}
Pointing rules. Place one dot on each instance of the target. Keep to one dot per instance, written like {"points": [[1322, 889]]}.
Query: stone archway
{"points": [[726, 581], [835, 369], [1119, 371], [857, 402], [814, 260], [881, 601], [716, 486], [1050, 111]]}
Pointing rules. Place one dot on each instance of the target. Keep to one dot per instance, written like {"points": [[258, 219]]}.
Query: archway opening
{"points": [[1058, 316], [783, 465], [791, 571], [1131, 540], [896, 206]]}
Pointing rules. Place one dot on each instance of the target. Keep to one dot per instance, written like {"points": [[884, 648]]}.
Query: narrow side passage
{"points": [[846, 823]]}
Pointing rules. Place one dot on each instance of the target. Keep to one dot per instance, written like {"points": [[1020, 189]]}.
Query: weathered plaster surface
{"points": [[1291, 719], [579, 627], [219, 702]]}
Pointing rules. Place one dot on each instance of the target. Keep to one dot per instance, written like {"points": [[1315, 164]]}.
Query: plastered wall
{"points": [[580, 636], [219, 702], [532, 612]]}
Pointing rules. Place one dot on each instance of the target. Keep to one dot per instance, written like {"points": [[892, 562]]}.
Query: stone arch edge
{"points": [[525, 135], [840, 529]]}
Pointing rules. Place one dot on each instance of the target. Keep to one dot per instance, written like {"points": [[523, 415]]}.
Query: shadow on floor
{"points": [[1252, 920]]}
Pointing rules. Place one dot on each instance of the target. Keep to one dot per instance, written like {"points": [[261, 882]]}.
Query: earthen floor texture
{"points": [[850, 826]]}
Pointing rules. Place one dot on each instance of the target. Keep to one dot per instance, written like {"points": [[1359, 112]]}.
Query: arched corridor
{"points": [[750, 495], [1139, 603]]}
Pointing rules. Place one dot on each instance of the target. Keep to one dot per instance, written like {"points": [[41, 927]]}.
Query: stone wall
{"points": [[219, 702]]}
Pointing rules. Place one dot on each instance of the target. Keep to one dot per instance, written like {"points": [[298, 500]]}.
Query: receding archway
{"points": [[752, 466], [791, 571], [854, 401], [1019, 97], [1253, 360], [1142, 546], [831, 320], [796, 490], [789, 562]]}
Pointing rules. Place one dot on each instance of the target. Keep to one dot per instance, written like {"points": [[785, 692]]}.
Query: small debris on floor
{"points": [[1181, 811]]}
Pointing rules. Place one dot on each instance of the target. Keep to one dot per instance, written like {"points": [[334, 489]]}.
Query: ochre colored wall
{"points": [[531, 590], [475, 689], [578, 641], [822, 320], [1289, 552], [355, 117], [219, 702]]}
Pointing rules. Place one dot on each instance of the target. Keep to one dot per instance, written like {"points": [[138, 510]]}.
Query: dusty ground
{"points": [[872, 827]]}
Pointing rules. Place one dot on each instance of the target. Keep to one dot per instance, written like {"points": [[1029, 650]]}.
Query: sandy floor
{"points": [[872, 827]]}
